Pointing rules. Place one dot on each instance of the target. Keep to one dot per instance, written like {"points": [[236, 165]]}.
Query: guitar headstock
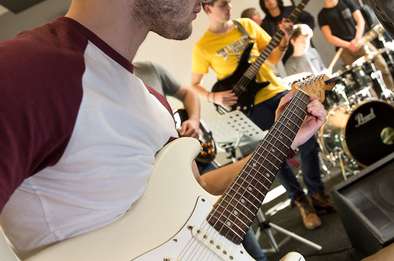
{"points": [[315, 86]]}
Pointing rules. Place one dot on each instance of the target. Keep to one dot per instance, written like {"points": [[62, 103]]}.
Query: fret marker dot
{"points": [[228, 223], [273, 150], [250, 188], [242, 200], [235, 213]]}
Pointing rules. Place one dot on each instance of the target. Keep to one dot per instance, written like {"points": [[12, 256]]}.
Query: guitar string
{"points": [[246, 181], [285, 115], [231, 199], [194, 248], [210, 227], [272, 138]]}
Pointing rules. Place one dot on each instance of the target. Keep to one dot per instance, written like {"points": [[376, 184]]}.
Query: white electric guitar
{"points": [[176, 219]]}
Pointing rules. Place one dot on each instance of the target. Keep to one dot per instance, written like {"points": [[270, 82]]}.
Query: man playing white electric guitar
{"points": [[80, 132]]}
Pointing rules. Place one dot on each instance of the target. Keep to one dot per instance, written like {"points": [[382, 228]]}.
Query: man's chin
{"points": [[181, 34]]}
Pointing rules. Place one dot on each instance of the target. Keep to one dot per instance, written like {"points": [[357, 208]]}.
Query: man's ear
{"points": [[206, 8]]}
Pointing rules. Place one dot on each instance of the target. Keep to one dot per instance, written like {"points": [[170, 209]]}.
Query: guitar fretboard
{"points": [[253, 69], [234, 212]]}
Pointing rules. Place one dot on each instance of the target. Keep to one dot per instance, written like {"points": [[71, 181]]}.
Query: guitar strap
{"points": [[242, 29]]}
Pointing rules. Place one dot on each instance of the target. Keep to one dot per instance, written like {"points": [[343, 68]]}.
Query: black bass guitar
{"points": [[243, 80]]}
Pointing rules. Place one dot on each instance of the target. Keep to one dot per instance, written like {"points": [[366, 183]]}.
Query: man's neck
{"points": [[330, 3], [220, 28], [124, 34], [275, 12]]}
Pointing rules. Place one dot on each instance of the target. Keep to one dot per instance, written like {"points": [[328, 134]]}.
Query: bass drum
{"points": [[365, 133]]}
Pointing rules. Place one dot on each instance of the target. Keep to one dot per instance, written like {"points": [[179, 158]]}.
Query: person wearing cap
{"points": [[220, 49], [304, 58]]}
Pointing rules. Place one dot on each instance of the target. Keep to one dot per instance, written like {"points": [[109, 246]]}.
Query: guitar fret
{"points": [[266, 169], [257, 180], [292, 132], [264, 177], [240, 211], [229, 228], [282, 147], [280, 140], [283, 154], [245, 200], [230, 214], [301, 99], [299, 117], [248, 187], [236, 209], [293, 122]]}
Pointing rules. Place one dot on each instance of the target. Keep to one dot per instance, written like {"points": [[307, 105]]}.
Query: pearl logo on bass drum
{"points": [[361, 119]]}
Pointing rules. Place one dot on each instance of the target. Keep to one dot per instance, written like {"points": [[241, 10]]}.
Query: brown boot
{"points": [[322, 204], [309, 217]]}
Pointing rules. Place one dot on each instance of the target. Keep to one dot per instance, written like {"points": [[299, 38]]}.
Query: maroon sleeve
{"points": [[162, 99], [40, 95]]}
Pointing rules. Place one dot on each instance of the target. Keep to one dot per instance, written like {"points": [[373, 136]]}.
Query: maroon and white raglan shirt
{"points": [[79, 133]]}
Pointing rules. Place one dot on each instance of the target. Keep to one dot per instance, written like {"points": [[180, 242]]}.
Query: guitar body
{"points": [[245, 98], [168, 221]]}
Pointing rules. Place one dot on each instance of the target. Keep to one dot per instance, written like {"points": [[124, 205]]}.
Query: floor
{"points": [[331, 235]]}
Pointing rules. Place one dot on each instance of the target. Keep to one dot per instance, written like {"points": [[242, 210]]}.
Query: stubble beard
{"points": [[163, 20]]}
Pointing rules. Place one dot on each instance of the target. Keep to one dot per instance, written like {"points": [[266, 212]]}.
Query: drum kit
{"points": [[360, 124]]}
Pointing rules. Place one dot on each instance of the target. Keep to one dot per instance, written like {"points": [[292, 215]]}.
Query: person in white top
{"points": [[305, 58]]}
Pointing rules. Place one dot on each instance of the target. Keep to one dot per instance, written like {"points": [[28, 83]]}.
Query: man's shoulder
{"points": [[248, 24], [42, 52], [245, 21], [321, 16]]}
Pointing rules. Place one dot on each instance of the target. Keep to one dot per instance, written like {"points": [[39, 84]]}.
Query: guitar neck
{"points": [[253, 69], [237, 208]]}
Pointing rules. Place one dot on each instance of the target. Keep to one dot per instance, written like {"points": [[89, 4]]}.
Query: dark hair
{"points": [[265, 10], [297, 32], [249, 12], [384, 12]]}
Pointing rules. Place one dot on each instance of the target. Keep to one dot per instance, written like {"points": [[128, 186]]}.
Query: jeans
{"points": [[263, 115], [252, 246]]}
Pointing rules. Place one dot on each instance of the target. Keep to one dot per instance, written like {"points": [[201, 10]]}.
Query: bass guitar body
{"points": [[248, 91]]}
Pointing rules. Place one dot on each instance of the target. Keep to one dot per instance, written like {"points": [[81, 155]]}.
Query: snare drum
{"points": [[365, 133]]}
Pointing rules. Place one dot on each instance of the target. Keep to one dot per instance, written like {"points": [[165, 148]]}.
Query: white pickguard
{"points": [[157, 226]]}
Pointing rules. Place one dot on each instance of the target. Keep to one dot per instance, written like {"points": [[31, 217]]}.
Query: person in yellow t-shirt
{"points": [[220, 49]]}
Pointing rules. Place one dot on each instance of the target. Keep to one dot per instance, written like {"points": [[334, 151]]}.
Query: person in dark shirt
{"points": [[343, 25], [275, 11]]}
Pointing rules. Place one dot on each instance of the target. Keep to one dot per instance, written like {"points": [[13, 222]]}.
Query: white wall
{"points": [[11, 24]]}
